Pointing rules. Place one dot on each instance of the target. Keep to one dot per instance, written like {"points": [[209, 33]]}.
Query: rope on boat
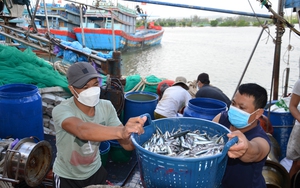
{"points": [[279, 17], [60, 67], [142, 84], [4, 184], [192, 88], [286, 71]]}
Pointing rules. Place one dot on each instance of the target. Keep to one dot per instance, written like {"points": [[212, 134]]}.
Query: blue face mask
{"points": [[238, 117]]}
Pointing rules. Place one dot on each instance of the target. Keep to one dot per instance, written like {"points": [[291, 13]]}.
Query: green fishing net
{"points": [[137, 83], [25, 67]]}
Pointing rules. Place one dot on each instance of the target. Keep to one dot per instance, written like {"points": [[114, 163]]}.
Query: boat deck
{"points": [[134, 180]]}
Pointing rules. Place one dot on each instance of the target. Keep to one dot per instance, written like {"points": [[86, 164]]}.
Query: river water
{"points": [[222, 52]]}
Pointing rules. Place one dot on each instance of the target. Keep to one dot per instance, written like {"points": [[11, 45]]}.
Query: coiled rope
{"points": [[142, 84], [4, 184], [60, 67]]}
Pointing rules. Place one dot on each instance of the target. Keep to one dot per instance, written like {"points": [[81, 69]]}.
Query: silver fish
{"points": [[184, 143]]}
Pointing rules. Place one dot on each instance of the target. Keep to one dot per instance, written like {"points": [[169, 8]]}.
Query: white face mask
{"points": [[89, 97]]}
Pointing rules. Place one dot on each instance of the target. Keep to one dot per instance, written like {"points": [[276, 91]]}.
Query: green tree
{"points": [[213, 23], [242, 23]]}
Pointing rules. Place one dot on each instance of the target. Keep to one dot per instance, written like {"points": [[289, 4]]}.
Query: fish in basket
{"points": [[158, 170], [184, 143]]}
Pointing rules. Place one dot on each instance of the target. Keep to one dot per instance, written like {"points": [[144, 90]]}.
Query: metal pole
{"points": [[286, 81], [276, 64], [202, 8], [113, 31], [81, 26], [46, 16]]}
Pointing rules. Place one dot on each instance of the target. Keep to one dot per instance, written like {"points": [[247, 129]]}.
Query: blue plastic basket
{"points": [[163, 171]]}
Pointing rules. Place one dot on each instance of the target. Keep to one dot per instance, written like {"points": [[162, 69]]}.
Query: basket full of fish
{"points": [[182, 152]]}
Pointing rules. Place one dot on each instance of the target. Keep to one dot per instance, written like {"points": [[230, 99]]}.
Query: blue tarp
{"points": [[292, 3], [71, 57]]}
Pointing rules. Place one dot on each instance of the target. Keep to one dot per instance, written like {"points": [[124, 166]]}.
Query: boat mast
{"points": [[279, 33], [277, 52]]}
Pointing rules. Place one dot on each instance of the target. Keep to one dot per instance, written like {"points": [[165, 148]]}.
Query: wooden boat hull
{"points": [[101, 39], [63, 35]]}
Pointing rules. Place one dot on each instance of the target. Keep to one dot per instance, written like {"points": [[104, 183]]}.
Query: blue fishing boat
{"points": [[113, 27], [61, 19]]}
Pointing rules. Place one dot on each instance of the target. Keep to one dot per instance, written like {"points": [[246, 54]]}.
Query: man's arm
{"points": [[248, 151], [96, 132]]}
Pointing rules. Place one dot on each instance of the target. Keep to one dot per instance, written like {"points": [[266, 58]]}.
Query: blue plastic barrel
{"points": [[21, 111], [104, 150], [205, 108], [282, 123], [138, 103], [117, 153]]}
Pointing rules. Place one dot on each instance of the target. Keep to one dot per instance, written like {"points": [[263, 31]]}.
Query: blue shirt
{"points": [[239, 174], [208, 91]]}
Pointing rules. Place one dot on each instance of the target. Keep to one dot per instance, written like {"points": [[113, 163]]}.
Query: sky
{"points": [[170, 12]]}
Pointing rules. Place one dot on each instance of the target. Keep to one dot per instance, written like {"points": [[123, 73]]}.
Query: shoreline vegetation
{"points": [[197, 21]]}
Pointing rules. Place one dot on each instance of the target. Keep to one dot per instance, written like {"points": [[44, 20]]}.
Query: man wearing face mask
{"points": [[248, 156], [81, 123]]}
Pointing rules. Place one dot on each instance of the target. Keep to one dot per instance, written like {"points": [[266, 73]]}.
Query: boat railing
{"points": [[72, 7], [125, 9], [56, 9], [110, 5]]}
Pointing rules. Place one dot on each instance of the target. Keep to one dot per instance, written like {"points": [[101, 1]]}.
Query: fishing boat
{"points": [[61, 20], [113, 27], [59, 23]]}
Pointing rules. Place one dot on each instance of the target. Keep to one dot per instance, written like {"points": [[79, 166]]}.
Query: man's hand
{"points": [[241, 147], [134, 125]]}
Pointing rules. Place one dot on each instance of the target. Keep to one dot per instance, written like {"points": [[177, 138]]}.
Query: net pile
{"points": [[25, 67]]}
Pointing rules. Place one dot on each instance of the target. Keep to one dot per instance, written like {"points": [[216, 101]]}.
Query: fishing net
{"points": [[25, 67], [137, 83]]}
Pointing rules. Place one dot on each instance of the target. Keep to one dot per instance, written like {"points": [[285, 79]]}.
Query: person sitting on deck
{"points": [[81, 123], [247, 157], [208, 91], [174, 99]]}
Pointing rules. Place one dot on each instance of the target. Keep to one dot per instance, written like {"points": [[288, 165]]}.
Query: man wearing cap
{"points": [[208, 91], [174, 99], [81, 123]]}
